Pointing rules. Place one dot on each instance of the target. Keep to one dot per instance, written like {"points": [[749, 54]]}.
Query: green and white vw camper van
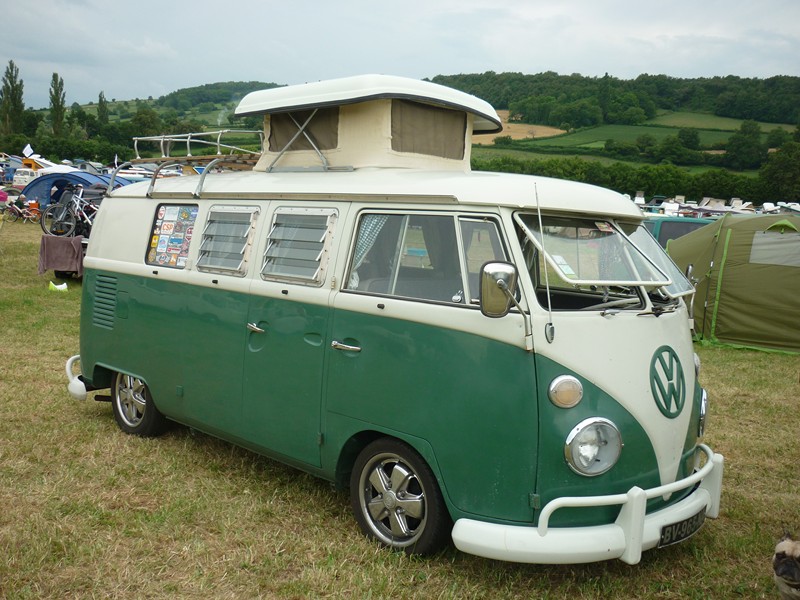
{"points": [[500, 360]]}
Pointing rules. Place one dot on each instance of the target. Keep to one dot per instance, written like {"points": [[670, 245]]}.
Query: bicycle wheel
{"points": [[11, 215], [58, 220]]}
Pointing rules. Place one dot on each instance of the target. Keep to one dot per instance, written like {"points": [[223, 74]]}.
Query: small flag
{"points": [[27, 151]]}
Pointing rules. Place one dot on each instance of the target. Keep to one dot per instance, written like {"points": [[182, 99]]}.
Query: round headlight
{"points": [[565, 391], [701, 425], [593, 446]]}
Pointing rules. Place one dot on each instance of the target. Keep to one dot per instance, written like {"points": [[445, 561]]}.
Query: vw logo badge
{"points": [[667, 382]]}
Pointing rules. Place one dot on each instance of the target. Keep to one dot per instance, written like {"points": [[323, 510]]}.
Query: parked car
{"points": [[665, 228], [23, 177]]}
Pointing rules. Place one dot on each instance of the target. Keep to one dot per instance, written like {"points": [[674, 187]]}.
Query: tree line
{"points": [[574, 101], [777, 180], [107, 131], [74, 132]]}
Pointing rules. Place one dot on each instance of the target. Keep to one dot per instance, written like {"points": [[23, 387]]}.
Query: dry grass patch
{"points": [[517, 131]]}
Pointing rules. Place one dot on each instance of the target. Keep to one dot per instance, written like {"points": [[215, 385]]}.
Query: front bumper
{"points": [[633, 532]]}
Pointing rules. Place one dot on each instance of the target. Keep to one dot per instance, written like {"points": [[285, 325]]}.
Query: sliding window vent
{"points": [[298, 247], [226, 239], [104, 305]]}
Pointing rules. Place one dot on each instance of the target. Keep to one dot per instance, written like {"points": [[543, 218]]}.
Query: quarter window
{"points": [[298, 245], [226, 239], [481, 241]]}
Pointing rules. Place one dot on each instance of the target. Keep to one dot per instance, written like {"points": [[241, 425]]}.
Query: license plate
{"points": [[677, 532]]}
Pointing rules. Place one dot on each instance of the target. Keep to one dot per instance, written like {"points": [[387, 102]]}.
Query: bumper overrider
{"points": [[633, 532]]}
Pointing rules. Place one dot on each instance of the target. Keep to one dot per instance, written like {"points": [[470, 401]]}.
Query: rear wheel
{"points": [[11, 215], [133, 405], [59, 220], [396, 500]]}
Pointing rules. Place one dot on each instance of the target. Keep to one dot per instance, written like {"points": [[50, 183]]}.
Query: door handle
{"points": [[254, 328], [347, 348]]}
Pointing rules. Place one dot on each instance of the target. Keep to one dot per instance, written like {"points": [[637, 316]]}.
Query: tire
{"points": [[12, 216], [134, 409], [396, 500], [59, 220]]}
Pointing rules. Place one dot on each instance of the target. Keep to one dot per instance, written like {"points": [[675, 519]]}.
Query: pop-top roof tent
{"points": [[748, 271], [368, 121]]}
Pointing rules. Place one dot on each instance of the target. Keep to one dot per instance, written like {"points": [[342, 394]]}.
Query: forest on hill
{"points": [[553, 99], [720, 136]]}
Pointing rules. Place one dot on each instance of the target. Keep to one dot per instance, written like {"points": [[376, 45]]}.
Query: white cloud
{"points": [[150, 48]]}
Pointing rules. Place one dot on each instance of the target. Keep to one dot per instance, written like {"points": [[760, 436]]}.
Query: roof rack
{"points": [[166, 141]]}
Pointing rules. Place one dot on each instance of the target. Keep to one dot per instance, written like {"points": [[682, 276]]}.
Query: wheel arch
{"points": [[358, 441]]}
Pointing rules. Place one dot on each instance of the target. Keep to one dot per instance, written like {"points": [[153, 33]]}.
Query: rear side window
{"points": [[173, 227], [227, 239], [298, 245]]}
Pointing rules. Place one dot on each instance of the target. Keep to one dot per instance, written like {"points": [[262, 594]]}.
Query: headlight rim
{"points": [[583, 426]]}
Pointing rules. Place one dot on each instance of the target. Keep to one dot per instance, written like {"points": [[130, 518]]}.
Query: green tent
{"points": [[748, 272]]}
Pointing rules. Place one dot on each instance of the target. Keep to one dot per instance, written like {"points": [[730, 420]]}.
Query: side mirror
{"points": [[498, 286]]}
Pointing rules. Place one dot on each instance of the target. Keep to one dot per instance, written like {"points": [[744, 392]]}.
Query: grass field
{"points": [[707, 121], [90, 512], [711, 129], [596, 137]]}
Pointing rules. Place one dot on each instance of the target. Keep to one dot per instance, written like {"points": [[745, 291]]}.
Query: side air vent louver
{"points": [[105, 302]]}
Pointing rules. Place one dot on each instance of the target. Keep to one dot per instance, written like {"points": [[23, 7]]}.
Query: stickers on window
{"points": [[604, 227], [563, 264], [171, 235]]}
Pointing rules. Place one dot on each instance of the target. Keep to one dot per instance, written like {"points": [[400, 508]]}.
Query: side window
{"points": [[482, 243], [226, 239], [171, 234], [408, 255], [298, 246]]}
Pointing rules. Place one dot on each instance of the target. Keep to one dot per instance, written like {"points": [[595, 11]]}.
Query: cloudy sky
{"points": [[147, 48]]}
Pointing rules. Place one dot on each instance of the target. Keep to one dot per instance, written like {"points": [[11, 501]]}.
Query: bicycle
{"points": [[71, 215], [13, 213]]}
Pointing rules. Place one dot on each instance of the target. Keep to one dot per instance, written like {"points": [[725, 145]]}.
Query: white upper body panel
{"points": [[403, 185]]}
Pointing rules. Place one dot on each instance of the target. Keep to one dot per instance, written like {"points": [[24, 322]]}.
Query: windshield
{"points": [[583, 251], [645, 241]]}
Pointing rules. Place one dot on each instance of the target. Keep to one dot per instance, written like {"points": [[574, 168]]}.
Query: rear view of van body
{"points": [[496, 359]]}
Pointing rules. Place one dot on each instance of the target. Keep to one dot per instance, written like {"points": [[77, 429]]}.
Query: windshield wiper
{"points": [[659, 309]]}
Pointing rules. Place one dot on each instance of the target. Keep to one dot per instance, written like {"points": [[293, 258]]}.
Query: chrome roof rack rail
{"points": [[111, 181], [163, 165], [206, 169], [166, 141]]}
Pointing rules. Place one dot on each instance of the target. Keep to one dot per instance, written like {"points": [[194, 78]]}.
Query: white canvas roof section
{"points": [[361, 88]]}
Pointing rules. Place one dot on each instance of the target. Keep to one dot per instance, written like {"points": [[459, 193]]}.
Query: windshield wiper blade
{"points": [[657, 311]]}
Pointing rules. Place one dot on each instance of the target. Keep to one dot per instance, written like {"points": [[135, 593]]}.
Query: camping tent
{"points": [[748, 271], [48, 188]]}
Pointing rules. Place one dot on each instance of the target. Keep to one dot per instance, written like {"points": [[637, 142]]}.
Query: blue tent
{"points": [[41, 189]]}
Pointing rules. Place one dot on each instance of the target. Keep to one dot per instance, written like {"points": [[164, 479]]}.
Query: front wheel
{"points": [[133, 405], [59, 220], [396, 500]]}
